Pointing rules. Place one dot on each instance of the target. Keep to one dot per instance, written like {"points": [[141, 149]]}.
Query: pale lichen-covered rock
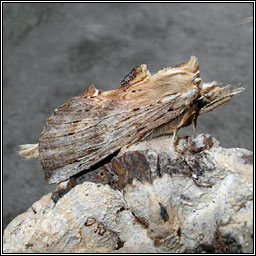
{"points": [[149, 198]]}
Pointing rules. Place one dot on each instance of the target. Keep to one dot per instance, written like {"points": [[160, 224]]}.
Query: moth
{"points": [[90, 127]]}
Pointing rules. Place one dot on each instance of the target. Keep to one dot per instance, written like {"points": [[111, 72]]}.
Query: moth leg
{"points": [[175, 141]]}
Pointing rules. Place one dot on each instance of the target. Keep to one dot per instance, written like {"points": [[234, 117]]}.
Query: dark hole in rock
{"points": [[120, 244], [163, 213], [179, 232], [28, 245]]}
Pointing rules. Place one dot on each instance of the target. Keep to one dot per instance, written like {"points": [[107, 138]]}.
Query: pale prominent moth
{"points": [[90, 127]]}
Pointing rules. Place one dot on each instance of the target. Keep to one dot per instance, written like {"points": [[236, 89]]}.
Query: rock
{"points": [[149, 198]]}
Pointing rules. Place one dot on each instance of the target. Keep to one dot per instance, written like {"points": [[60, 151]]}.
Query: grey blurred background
{"points": [[54, 51]]}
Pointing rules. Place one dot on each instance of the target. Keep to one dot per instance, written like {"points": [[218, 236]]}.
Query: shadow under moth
{"points": [[90, 127]]}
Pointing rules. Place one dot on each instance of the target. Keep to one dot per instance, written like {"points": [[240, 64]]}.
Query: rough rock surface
{"points": [[148, 198]]}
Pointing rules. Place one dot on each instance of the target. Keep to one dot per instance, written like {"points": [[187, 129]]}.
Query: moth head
{"points": [[213, 96]]}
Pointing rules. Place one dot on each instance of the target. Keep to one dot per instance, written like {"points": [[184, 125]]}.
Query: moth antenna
{"points": [[29, 151]]}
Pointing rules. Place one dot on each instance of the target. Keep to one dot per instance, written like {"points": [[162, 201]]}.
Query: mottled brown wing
{"points": [[84, 137]]}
